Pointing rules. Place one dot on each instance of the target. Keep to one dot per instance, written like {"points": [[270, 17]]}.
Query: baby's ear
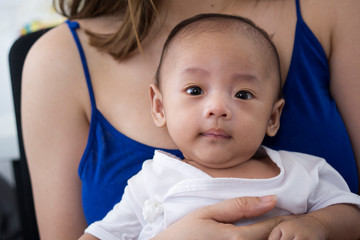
{"points": [[157, 107], [274, 122]]}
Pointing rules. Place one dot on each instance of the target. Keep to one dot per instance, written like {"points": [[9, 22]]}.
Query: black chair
{"points": [[17, 56]]}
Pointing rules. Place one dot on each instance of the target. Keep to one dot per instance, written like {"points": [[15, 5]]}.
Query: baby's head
{"points": [[218, 88]]}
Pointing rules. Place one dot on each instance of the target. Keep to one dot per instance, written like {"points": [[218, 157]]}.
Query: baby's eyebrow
{"points": [[195, 70], [245, 76], [248, 79], [241, 77]]}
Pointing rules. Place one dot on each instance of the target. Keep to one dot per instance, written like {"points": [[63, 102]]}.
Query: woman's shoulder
{"points": [[326, 17], [51, 48], [329, 14], [59, 42], [52, 65]]}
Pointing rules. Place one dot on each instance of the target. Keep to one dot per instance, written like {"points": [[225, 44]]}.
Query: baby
{"points": [[218, 93]]}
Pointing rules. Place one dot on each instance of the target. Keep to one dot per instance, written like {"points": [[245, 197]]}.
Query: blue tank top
{"points": [[310, 123]]}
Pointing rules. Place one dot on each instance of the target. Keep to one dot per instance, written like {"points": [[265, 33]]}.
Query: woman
{"points": [[105, 139]]}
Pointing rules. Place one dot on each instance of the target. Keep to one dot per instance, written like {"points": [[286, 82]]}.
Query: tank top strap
{"points": [[73, 25], [298, 11]]}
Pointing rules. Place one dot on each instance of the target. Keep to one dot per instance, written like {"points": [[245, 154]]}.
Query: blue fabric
{"points": [[311, 122], [110, 158]]}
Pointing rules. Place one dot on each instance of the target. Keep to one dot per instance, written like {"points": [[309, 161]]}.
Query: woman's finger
{"points": [[232, 210]]}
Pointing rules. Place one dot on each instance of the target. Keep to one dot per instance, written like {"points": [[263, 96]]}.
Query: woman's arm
{"points": [[344, 65], [55, 129]]}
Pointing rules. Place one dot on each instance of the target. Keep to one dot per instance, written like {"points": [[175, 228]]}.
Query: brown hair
{"points": [[138, 17]]}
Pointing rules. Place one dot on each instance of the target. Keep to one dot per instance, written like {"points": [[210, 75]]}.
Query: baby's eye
{"points": [[194, 90], [245, 95]]}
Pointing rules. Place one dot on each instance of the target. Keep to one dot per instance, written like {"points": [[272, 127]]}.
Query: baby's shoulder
{"points": [[292, 159]]}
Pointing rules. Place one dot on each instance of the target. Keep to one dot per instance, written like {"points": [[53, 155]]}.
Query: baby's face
{"points": [[218, 95]]}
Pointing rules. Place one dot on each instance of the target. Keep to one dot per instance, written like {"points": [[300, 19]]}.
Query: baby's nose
{"points": [[217, 107]]}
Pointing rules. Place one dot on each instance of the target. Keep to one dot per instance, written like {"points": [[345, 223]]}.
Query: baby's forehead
{"points": [[216, 32], [212, 40], [225, 27], [234, 43]]}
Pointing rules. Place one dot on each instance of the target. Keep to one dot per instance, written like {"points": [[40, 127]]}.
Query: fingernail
{"points": [[267, 199]]}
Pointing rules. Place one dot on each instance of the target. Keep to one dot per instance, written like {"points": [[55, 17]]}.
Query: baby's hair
{"points": [[215, 22]]}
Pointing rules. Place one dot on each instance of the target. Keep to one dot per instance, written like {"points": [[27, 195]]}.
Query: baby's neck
{"points": [[255, 168]]}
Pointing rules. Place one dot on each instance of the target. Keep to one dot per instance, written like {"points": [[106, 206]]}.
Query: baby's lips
{"points": [[217, 133]]}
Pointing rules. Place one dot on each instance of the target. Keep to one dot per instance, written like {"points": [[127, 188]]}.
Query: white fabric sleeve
{"points": [[121, 222], [330, 189]]}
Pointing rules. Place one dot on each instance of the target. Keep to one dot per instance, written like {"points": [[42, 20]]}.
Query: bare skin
{"points": [[55, 96]]}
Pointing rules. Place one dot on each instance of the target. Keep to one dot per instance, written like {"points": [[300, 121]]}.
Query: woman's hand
{"points": [[339, 221], [298, 227], [214, 222]]}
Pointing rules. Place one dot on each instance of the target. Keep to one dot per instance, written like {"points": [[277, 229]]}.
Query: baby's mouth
{"points": [[216, 134]]}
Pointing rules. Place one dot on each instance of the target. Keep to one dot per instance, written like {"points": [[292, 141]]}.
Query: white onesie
{"points": [[166, 189]]}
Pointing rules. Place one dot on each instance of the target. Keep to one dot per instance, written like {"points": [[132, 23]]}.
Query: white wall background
{"points": [[14, 15]]}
